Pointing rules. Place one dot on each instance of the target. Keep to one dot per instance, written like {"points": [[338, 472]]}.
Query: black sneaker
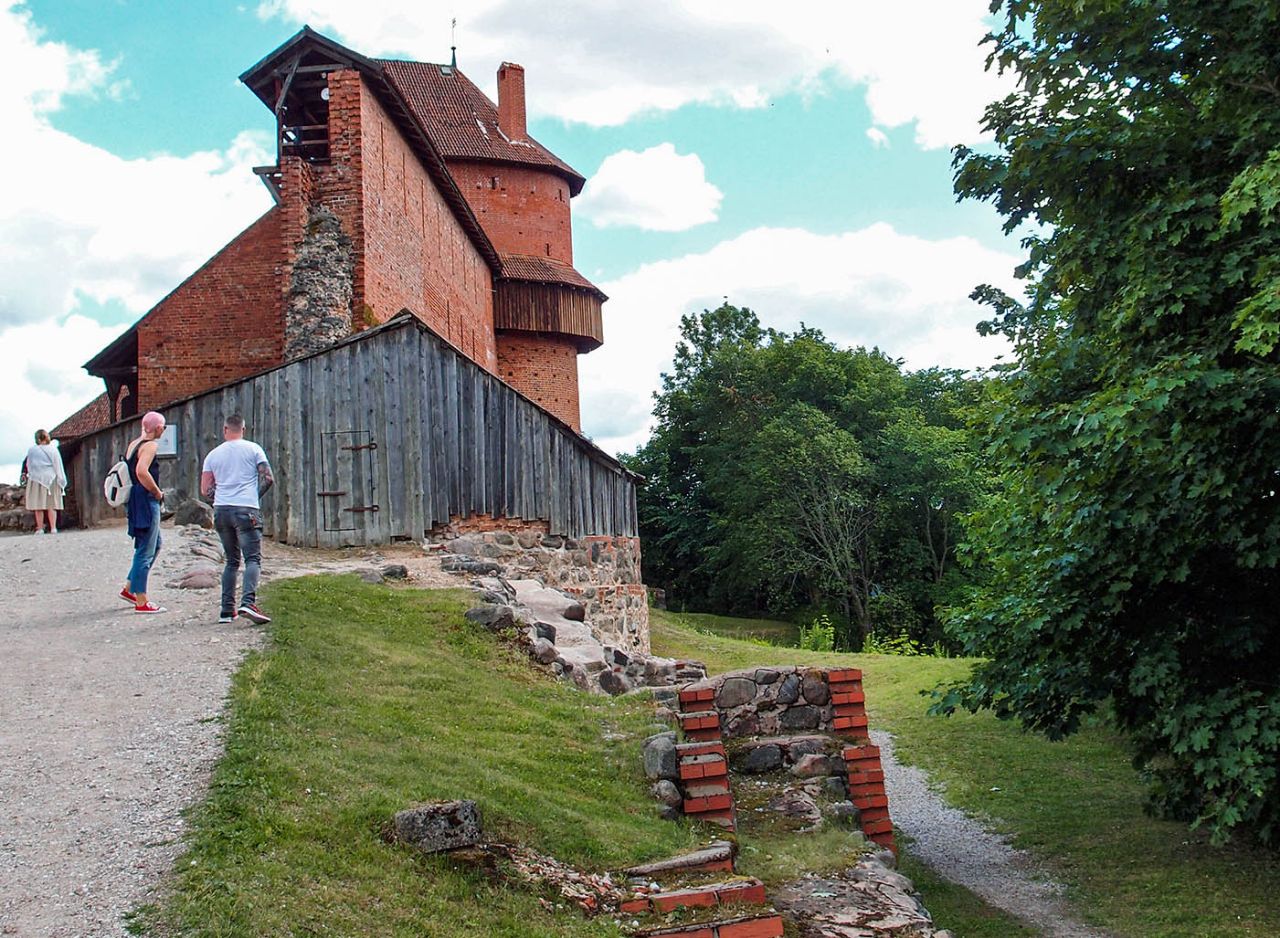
{"points": [[253, 613], [228, 617]]}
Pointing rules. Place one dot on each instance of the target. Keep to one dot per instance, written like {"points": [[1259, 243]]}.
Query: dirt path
{"points": [[961, 850], [109, 721]]}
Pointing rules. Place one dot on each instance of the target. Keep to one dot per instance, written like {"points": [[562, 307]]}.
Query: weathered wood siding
{"points": [[549, 307], [451, 441]]}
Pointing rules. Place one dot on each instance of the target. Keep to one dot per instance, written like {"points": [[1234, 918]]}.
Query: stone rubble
{"points": [[556, 631], [868, 900]]}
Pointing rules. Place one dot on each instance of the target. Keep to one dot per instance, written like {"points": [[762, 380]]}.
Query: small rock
{"points": [[735, 692], [800, 718], [545, 630], [766, 676], [194, 512], [811, 766], [660, 759], [670, 813], [815, 689], [614, 683], [796, 804], [543, 651], [835, 787], [846, 812], [575, 612], [395, 571], [371, 576], [493, 617], [198, 579], [667, 792], [444, 825], [788, 690], [766, 758]]}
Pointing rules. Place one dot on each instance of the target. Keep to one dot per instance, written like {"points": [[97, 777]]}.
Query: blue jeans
{"points": [[145, 547], [241, 532]]}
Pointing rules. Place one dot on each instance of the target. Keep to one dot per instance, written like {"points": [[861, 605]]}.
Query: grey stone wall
{"points": [[317, 311], [777, 701], [603, 573]]}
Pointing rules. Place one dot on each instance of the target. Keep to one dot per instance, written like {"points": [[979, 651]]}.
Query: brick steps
{"points": [[866, 790], [849, 703], [704, 766], [701, 725], [768, 925]]}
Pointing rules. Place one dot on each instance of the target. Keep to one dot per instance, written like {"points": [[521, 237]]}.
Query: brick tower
{"points": [[545, 312]]}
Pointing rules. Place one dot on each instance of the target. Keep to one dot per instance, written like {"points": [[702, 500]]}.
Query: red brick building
{"points": [[397, 185]]}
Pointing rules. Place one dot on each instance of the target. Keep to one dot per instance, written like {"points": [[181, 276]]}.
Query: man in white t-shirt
{"points": [[235, 474]]}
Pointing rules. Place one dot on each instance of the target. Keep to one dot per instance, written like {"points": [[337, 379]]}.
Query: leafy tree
{"points": [[1134, 546], [787, 474]]}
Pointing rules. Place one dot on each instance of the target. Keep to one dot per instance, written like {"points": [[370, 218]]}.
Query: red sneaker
{"points": [[128, 597], [253, 613], [149, 607]]}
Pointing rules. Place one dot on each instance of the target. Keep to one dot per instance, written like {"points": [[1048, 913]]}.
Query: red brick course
{"points": [[411, 251], [221, 323], [544, 368], [522, 210]]}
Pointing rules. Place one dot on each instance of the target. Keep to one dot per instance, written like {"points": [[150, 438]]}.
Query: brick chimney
{"points": [[511, 100]]}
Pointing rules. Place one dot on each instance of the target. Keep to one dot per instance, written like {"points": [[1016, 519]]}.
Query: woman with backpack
{"points": [[145, 496], [46, 480]]}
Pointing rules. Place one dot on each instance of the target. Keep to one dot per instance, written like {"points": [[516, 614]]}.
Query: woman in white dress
{"points": [[46, 481]]}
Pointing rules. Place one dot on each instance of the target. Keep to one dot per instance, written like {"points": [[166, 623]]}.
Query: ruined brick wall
{"points": [[410, 250], [522, 210], [223, 322], [544, 368]]}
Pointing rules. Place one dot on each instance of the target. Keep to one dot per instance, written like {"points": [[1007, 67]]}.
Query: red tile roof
{"points": [[92, 416], [462, 122], [545, 270]]}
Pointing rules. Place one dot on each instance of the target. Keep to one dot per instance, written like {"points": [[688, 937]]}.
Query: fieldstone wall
{"points": [[317, 310], [13, 511], [602, 573], [772, 701]]}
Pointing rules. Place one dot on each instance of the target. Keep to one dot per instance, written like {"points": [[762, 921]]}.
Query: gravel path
{"points": [[109, 721], [961, 850], [108, 727]]}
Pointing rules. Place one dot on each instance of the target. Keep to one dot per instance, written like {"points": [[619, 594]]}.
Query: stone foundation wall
{"points": [[602, 572], [13, 509], [774, 701]]}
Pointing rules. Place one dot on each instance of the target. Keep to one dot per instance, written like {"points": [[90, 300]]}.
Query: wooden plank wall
{"points": [[452, 441]]}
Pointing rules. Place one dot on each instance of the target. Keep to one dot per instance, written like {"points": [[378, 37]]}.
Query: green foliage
{"points": [[877, 643], [820, 635], [787, 474], [1076, 804], [1133, 549]]}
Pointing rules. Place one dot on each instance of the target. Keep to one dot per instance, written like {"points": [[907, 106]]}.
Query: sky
{"points": [[794, 158]]}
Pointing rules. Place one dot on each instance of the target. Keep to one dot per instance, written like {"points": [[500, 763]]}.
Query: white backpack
{"points": [[118, 485]]}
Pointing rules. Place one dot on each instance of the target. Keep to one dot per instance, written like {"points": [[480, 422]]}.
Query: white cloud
{"points": [[602, 62], [78, 222], [657, 189], [879, 139], [874, 286], [42, 382]]}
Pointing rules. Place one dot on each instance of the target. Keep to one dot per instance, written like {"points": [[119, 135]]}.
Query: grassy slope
{"points": [[368, 700], [1078, 804]]}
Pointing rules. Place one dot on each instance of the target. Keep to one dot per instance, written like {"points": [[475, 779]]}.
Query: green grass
{"points": [[365, 701], [766, 631], [1076, 804]]}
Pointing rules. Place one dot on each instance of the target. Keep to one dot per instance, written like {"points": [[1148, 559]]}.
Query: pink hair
{"points": [[152, 421]]}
